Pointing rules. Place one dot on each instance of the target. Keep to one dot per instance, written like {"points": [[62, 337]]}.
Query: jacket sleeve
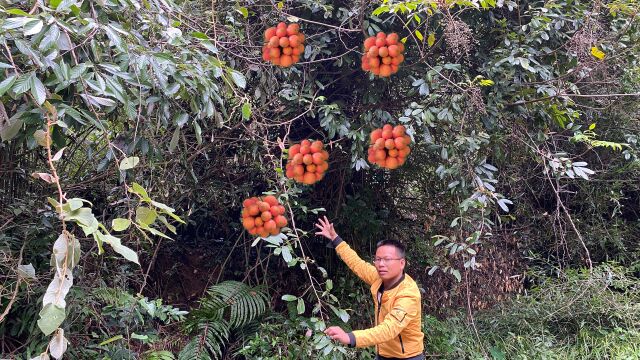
{"points": [[404, 310], [361, 268]]}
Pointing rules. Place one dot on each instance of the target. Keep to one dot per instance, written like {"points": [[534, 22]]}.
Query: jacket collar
{"points": [[393, 286]]}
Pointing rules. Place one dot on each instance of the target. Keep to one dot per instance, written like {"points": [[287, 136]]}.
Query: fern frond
{"points": [[241, 302], [208, 344]]}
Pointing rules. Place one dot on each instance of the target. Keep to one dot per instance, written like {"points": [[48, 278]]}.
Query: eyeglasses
{"points": [[382, 261]]}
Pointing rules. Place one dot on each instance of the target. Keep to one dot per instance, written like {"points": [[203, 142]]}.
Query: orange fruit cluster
{"points": [[263, 216], [283, 44], [307, 162], [382, 54], [389, 146]]}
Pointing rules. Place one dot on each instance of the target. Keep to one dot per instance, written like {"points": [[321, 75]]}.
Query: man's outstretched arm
{"points": [[361, 268]]}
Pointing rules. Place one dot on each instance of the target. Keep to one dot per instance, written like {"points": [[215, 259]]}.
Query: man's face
{"points": [[388, 263]]}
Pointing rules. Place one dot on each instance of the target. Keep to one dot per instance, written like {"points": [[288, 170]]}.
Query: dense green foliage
{"points": [[144, 124]]}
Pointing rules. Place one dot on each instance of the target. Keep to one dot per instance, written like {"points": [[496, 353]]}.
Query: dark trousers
{"points": [[417, 357]]}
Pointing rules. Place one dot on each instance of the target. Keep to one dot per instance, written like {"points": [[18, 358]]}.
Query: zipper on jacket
{"points": [[401, 344]]}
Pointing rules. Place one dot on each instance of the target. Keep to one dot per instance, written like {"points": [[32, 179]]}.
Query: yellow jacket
{"points": [[398, 328]]}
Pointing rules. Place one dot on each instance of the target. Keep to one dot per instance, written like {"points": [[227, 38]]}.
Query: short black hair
{"points": [[400, 248]]}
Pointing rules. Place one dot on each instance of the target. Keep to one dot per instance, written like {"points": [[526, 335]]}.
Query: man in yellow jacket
{"points": [[397, 333]]}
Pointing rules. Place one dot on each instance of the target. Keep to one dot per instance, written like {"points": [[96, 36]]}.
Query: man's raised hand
{"points": [[326, 228]]}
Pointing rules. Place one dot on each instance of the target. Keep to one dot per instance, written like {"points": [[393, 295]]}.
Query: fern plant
{"points": [[227, 308]]}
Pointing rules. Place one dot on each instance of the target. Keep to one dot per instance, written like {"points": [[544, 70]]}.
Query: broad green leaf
{"points": [[33, 27], [431, 39], [418, 35], [344, 316], [85, 218], [129, 163], [7, 83], [120, 224], [51, 316], [9, 130], [17, 12], [162, 206], [154, 231], [145, 215], [117, 246], [300, 307], [38, 90], [50, 38], [289, 297], [137, 189], [243, 10], [22, 84], [15, 22], [246, 110], [75, 204], [286, 254], [238, 79]]}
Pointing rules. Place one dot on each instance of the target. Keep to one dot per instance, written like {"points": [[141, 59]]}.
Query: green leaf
{"points": [[199, 35], [238, 79], [38, 90], [22, 84], [111, 339], [175, 138], [51, 316], [431, 39], [243, 10], [145, 215], [7, 83], [33, 27], [17, 12], [286, 254], [15, 22], [418, 35], [137, 189], [120, 224], [117, 246], [198, 131], [288, 297], [300, 307], [456, 274], [10, 129], [129, 163], [85, 218], [75, 204], [246, 110]]}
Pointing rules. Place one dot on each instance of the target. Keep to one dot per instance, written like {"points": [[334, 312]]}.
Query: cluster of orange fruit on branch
{"points": [[283, 44], [307, 162], [389, 146], [383, 54], [263, 216]]}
